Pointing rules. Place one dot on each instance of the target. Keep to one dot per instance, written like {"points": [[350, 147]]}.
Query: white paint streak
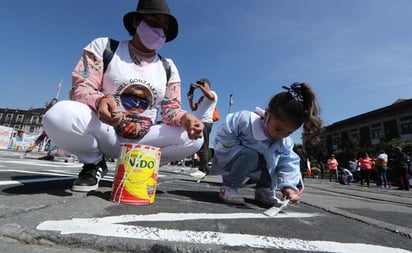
{"points": [[44, 164], [62, 176], [110, 226], [37, 180], [49, 173]]}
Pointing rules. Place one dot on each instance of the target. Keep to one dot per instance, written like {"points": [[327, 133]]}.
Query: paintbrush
{"points": [[274, 210]]}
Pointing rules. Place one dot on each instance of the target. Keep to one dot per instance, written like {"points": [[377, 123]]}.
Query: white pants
{"points": [[75, 127]]}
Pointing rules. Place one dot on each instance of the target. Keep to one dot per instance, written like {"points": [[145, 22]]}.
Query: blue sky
{"points": [[357, 55]]}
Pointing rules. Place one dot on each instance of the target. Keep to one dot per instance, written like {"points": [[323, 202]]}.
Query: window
{"points": [[34, 120], [406, 128], [336, 139], [376, 133], [19, 118], [9, 117]]}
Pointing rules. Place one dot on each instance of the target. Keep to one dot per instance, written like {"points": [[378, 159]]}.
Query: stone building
{"points": [[28, 121], [371, 128]]}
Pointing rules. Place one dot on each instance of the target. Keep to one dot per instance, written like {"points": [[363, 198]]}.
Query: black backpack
{"points": [[111, 48]]}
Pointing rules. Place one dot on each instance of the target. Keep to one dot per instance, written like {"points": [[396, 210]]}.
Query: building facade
{"points": [[384, 124], [28, 121]]}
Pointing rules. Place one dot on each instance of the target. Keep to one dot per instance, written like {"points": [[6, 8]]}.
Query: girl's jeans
{"points": [[245, 162]]}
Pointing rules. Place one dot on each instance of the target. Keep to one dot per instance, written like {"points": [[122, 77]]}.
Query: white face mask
{"points": [[151, 37]]}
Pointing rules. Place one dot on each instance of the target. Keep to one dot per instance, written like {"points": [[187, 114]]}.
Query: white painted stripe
{"points": [[36, 180], [107, 226], [44, 164], [49, 172], [63, 175]]}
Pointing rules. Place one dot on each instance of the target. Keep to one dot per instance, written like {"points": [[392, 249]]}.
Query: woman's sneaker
{"points": [[90, 176], [266, 196], [230, 195]]}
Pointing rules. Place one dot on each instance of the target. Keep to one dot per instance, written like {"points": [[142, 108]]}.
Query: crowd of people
{"points": [[395, 169]]}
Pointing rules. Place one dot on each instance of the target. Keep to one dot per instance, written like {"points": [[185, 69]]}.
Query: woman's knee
{"points": [[55, 117], [67, 119]]}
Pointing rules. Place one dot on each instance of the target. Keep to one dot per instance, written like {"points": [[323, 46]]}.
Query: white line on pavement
{"points": [[44, 164], [114, 226]]}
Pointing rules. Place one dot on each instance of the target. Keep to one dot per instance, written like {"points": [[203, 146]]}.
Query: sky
{"points": [[356, 55]]}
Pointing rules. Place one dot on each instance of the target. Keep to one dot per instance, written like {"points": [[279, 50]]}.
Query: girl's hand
{"points": [[193, 126], [289, 193], [107, 111]]}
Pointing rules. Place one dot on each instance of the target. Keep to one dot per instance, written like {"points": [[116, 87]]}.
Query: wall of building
{"points": [[371, 128], [28, 121]]}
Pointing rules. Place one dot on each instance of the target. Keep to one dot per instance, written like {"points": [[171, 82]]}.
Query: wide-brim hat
{"points": [[152, 7]]}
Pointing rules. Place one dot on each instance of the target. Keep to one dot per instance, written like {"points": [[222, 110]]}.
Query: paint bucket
{"points": [[135, 179]]}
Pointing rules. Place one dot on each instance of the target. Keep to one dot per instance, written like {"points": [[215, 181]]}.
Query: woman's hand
{"points": [[289, 193], [193, 126], [107, 111]]}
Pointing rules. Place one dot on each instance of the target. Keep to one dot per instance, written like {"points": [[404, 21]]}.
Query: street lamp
{"points": [[230, 101]]}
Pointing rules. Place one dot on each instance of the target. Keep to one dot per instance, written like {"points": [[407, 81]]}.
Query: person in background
{"points": [[381, 165], [322, 169], [118, 101], [300, 151], [347, 176], [354, 167], [51, 151], [40, 139], [400, 164], [249, 142], [333, 168], [365, 164], [203, 110]]}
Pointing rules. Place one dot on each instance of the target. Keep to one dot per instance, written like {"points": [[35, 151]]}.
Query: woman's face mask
{"points": [[152, 38]]}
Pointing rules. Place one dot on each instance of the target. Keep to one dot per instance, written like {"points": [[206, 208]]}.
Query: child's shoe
{"points": [[230, 195], [266, 196]]}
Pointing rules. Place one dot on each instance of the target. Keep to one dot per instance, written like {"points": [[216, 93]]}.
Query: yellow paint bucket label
{"points": [[135, 179]]}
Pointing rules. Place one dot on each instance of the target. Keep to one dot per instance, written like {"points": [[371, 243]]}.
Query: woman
{"points": [[365, 164], [117, 102]]}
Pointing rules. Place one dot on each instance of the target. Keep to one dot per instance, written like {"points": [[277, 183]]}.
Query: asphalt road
{"points": [[39, 213]]}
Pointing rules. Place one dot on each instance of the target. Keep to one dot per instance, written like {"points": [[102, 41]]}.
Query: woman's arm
{"points": [[87, 80]]}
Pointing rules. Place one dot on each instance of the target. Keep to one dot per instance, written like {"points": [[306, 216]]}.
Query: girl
{"points": [[259, 141]]}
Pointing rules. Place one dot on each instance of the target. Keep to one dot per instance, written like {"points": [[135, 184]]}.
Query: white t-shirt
{"points": [[123, 78], [205, 108]]}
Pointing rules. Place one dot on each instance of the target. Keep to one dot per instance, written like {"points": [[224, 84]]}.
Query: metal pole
{"points": [[230, 101], [59, 87]]}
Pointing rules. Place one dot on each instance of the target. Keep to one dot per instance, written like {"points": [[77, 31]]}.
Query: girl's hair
{"points": [[299, 105]]}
